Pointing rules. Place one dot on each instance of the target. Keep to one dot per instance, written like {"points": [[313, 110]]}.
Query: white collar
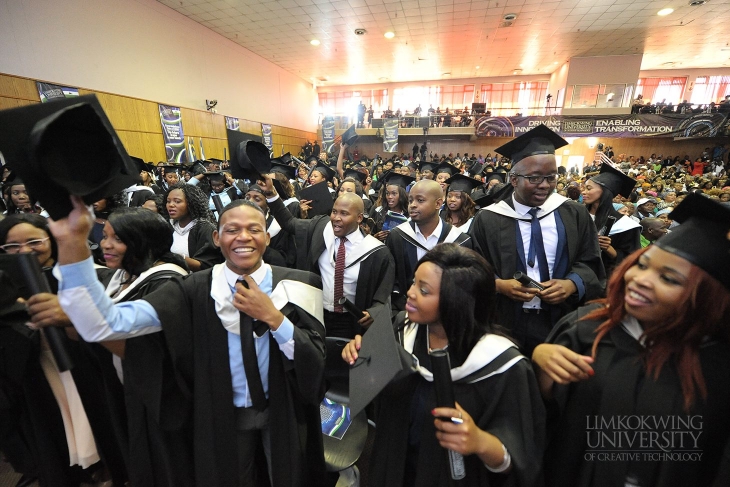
{"points": [[436, 231], [632, 326], [522, 210], [551, 204], [116, 281], [258, 275]]}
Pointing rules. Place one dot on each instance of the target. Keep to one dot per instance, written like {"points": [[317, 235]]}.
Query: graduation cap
{"points": [[139, 163], [286, 158], [393, 178], [170, 168], [614, 180], [215, 176], [249, 158], [445, 167], [321, 199], [356, 175], [499, 176], [540, 140], [427, 166], [702, 236], [65, 147], [326, 171], [310, 159], [462, 183], [350, 136], [285, 169], [381, 360], [256, 188]]}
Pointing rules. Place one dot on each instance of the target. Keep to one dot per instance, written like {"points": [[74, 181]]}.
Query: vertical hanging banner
{"points": [[390, 135], [47, 91], [202, 152], [172, 131], [268, 139], [328, 135], [232, 123]]}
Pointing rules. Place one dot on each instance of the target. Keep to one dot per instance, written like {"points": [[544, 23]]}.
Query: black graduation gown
{"points": [[201, 246], [625, 243], [375, 280], [406, 258], [495, 237], [158, 414], [198, 344], [621, 388], [506, 404], [282, 250]]}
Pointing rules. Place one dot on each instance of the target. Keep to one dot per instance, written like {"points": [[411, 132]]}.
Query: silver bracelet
{"points": [[506, 462]]}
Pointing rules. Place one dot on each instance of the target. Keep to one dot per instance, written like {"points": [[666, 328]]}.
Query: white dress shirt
{"points": [[430, 241], [327, 262]]}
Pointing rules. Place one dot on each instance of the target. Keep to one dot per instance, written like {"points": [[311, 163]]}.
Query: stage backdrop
{"points": [[670, 125]]}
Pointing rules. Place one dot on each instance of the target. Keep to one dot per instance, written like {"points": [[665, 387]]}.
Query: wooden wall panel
{"points": [[138, 122]]}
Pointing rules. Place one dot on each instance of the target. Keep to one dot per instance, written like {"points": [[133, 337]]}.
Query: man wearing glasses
{"points": [[547, 237]]}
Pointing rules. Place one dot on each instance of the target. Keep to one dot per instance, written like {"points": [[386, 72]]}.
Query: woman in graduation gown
{"points": [[655, 351], [451, 306], [136, 244], [187, 207], [460, 208], [618, 235], [55, 419]]}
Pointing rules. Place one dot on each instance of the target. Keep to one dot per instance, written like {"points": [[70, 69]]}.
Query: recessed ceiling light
{"points": [[389, 35], [696, 3], [555, 62], [478, 67], [665, 11], [314, 42]]}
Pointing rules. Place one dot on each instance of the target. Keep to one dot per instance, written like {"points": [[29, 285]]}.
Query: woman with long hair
{"points": [[451, 307], [393, 198], [656, 350], [618, 235], [193, 223], [460, 208], [61, 427]]}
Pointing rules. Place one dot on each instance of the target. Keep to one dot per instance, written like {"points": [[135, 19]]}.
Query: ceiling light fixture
{"points": [[389, 35], [478, 67], [665, 11], [697, 3], [314, 42]]}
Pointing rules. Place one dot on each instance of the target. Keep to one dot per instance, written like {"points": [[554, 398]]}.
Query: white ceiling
{"points": [[456, 36]]}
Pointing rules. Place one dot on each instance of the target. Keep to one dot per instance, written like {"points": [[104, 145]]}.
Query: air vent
{"points": [[360, 32], [697, 3], [509, 17], [506, 24]]}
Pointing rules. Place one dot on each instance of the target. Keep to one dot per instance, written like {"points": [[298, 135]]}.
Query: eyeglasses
{"points": [[538, 179], [14, 248]]}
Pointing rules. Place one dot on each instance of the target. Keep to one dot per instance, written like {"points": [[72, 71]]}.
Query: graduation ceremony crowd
{"points": [[198, 304]]}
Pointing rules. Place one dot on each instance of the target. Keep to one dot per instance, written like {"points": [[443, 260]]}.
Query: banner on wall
{"points": [[328, 135], [232, 123], [390, 136], [172, 131], [191, 150], [47, 91], [268, 139], [202, 152], [609, 126]]}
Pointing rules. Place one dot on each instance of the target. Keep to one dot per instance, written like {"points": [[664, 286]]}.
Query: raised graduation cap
{"points": [[249, 158], [702, 236], [355, 174], [393, 178], [614, 180], [540, 140], [381, 359], [321, 199], [462, 183], [65, 147], [350, 136]]}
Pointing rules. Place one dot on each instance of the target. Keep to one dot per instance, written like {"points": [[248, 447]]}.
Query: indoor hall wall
{"points": [[137, 122], [143, 49], [369, 146]]}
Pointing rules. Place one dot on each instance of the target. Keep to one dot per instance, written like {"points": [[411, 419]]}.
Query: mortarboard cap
{"points": [[216, 176], [171, 168], [702, 236], [393, 178], [462, 183], [139, 163], [540, 140], [381, 359], [357, 175], [65, 147], [249, 158], [285, 169], [321, 199], [256, 188], [311, 159], [326, 171], [614, 180], [286, 158], [427, 166], [445, 167], [499, 176], [350, 136]]}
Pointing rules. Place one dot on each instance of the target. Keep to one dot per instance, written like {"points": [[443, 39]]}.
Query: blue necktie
{"points": [[537, 247]]}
